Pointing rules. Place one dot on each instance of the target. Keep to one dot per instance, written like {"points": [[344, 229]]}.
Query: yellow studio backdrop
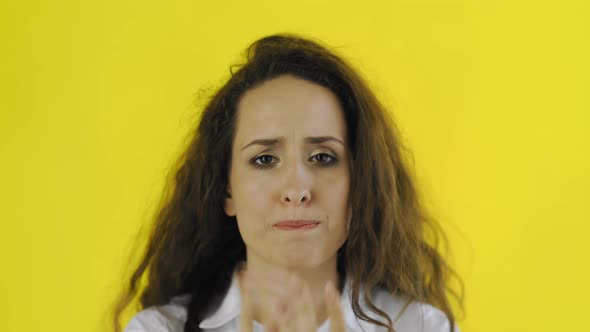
{"points": [[491, 96]]}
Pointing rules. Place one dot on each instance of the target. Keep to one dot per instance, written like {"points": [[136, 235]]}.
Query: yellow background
{"points": [[492, 97]]}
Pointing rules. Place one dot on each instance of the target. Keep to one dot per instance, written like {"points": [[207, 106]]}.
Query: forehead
{"points": [[289, 105]]}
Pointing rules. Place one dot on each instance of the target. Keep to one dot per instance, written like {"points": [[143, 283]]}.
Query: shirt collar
{"points": [[230, 309]]}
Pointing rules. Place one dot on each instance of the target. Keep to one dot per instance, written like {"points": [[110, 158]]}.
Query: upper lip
{"points": [[296, 223]]}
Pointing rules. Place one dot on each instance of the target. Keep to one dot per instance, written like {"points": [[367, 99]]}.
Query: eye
{"points": [[266, 161], [324, 158], [263, 161]]}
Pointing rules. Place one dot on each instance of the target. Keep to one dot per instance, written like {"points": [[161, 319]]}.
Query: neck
{"points": [[316, 279]]}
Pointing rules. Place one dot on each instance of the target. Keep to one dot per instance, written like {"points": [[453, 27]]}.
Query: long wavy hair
{"points": [[193, 247]]}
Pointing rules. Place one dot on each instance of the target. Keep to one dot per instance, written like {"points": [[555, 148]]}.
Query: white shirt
{"points": [[418, 317]]}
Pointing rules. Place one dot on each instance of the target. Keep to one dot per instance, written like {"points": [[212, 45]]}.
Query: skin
{"points": [[290, 278], [293, 308]]}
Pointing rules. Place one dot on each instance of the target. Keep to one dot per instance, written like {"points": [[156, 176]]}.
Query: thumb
{"points": [[332, 300], [246, 315]]}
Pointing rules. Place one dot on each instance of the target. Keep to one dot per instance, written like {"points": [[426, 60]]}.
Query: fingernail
{"points": [[242, 274], [331, 292], [241, 266], [245, 279], [294, 284], [293, 279], [299, 288], [282, 307]]}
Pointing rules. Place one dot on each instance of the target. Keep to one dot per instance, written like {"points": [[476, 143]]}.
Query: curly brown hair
{"points": [[393, 243]]}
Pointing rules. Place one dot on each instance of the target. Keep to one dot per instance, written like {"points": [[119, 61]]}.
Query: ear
{"points": [[229, 206]]}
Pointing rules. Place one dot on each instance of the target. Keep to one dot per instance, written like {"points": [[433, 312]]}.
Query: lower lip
{"points": [[295, 228]]}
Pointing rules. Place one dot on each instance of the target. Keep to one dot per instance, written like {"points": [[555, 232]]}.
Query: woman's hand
{"points": [[285, 304]]}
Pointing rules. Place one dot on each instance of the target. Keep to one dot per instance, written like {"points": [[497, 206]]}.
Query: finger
{"points": [[305, 311], [272, 288], [272, 306], [283, 319], [274, 320], [246, 311], [265, 293], [332, 299], [285, 311], [269, 286]]}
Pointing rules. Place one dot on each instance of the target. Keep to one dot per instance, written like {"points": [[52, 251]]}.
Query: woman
{"points": [[292, 191]]}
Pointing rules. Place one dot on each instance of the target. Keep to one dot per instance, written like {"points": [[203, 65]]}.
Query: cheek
{"points": [[338, 193], [335, 198], [253, 202]]}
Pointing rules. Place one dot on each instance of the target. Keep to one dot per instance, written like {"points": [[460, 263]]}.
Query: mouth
{"points": [[295, 225]]}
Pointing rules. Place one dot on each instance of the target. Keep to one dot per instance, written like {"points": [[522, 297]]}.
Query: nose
{"points": [[296, 197], [297, 190]]}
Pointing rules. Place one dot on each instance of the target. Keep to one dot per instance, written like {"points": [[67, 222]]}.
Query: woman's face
{"points": [[290, 162]]}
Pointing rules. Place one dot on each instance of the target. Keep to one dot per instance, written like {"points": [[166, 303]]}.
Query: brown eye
{"points": [[263, 161], [323, 158]]}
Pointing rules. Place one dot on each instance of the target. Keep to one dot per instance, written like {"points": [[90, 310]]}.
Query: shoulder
{"points": [[413, 316], [165, 318]]}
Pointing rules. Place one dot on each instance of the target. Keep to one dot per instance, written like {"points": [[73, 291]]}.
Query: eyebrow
{"points": [[308, 140]]}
